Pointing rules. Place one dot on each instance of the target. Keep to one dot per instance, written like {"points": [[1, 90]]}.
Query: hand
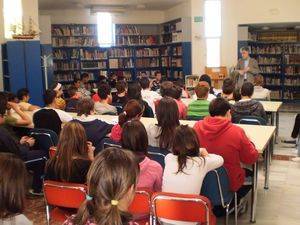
{"points": [[30, 141], [203, 152], [241, 72], [91, 150], [13, 105], [247, 69], [23, 140]]}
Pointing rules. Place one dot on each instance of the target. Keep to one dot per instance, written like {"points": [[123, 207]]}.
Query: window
{"points": [[213, 31], [106, 29], [12, 10]]}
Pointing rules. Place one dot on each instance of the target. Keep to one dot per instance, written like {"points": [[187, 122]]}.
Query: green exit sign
{"points": [[198, 19]]}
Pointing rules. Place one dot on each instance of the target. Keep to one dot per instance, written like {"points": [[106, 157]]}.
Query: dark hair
{"points": [[104, 91], [176, 92], [76, 80], [22, 93], [247, 89], [84, 75], [157, 72], [134, 91], [72, 144], [134, 138], [54, 85], [49, 96], [166, 88], [258, 80], [145, 82], [12, 185], [202, 89], [207, 78], [228, 86], [237, 95], [121, 86], [111, 175], [246, 48], [11, 97], [72, 90], [168, 119], [185, 145], [219, 107], [3, 103], [85, 106], [132, 109]]}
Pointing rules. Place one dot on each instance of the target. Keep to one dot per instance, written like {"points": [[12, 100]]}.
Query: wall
{"points": [[1, 41], [45, 27], [178, 11], [31, 10]]}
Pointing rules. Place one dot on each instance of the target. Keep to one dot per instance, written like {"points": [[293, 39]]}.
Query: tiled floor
{"points": [[277, 206]]}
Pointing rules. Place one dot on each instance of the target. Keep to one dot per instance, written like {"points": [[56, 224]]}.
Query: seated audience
{"points": [[212, 93], [112, 80], [237, 95], [121, 96], [149, 96], [111, 182], [72, 102], [84, 88], [176, 95], [95, 129], [73, 157], [134, 138], [247, 106], [12, 190], [199, 107], [162, 134], [260, 92], [185, 93], [155, 85], [103, 106], [47, 119], [77, 83], [50, 100], [60, 102], [228, 89], [188, 164], [219, 136], [132, 110], [134, 92], [23, 96]]}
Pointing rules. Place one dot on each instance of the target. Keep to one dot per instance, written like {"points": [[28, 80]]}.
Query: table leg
{"points": [[267, 163], [254, 193], [277, 122]]}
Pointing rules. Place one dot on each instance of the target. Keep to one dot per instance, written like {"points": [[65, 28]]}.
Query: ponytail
{"points": [[123, 118], [131, 110]]}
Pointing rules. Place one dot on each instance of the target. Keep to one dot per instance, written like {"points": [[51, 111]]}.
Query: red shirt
{"points": [[96, 98], [182, 109], [221, 137]]}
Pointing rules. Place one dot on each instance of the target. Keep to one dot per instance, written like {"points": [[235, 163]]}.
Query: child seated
{"points": [[103, 106], [149, 96], [23, 96], [228, 89], [212, 94], [73, 100], [12, 190], [111, 182], [60, 102], [260, 92], [176, 94], [121, 95], [134, 138], [199, 108]]}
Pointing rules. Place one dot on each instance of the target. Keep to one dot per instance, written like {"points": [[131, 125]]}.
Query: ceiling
{"points": [[127, 4]]}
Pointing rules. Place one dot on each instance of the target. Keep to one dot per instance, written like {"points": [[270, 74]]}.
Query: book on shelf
{"points": [[120, 52], [72, 65], [93, 54], [136, 40], [177, 51], [165, 50], [269, 49], [272, 81], [292, 82], [66, 54], [120, 63], [275, 94], [93, 65], [147, 62], [268, 60], [270, 69], [71, 30], [146, 52], [74, 41], [127, 30], [292, 59], [292, 70], [166, 62], [176, 62], [149, 73], [178, 75]]}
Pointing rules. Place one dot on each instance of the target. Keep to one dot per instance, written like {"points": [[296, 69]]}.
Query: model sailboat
{"points": [[32, 31]]}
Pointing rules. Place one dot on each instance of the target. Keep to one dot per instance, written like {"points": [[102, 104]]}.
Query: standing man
{"points": [[246, 68]]}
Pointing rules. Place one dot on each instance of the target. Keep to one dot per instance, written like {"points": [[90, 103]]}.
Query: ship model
{"points": [[31, 33]]}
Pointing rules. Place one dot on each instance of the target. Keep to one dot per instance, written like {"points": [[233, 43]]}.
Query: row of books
{"points": [[177, 51], [270, 69], [292, 70], [292, 59], [268, 60], [149, 73], [120, 52], [72, 65], [276, 36], [275, 49], [74, 41], [166, 62], [178, 75], [93, 54], [275, 95], [127, 30], [60, 54], [74, 30], [147, 62], [137, 40], [165, 50], [63, 77], [291, 95], [147, 52], [272, 81], [292, 82], [93, 65], [176, 62], [120, 63]]}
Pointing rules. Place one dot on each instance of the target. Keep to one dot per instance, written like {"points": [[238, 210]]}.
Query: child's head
{"points": [[176, 92], [134, 138], [168, 119], [12, 185], [77, 82], [228, 86], [134, 91], [166, 88], [23, 94], [158, 75], [220, 107], [202, 90], [247, 90], [121, 87], [185, 145], [3, 104], [145, 83], [57, 87], [85, 107], [72, 92], [132, 110], [49, 97], [206, 78], [85, 77], [104, 91], [11, 97], [258, 80], [111, 181]]}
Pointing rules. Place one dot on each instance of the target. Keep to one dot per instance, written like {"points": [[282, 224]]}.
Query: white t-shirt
{"points": [[64, 116], [153, 131], [16, 220], [261, 93], [150, 97]]}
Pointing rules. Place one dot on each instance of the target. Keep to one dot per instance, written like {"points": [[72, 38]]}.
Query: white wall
{"points": [[178, 11], [31, 10], [45, 27]]}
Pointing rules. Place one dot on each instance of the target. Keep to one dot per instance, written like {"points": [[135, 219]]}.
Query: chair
{"points": [[182, 207], [158, 155], [47, 119], [119, 107], [216, 188], [64, 198], [195, 118], [44, 138], [140, 207], [106, 143], [252, 120]]}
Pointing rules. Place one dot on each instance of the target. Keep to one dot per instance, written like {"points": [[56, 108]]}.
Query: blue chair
{"points": [[44, 138], [252, 120], [119, 107], [216, 187], [158, 155], [106, 143]]}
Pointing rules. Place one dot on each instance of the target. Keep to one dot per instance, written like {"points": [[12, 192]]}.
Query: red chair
{"points": [[63, 198], [52, 151], [140, 207], [181, 207]]}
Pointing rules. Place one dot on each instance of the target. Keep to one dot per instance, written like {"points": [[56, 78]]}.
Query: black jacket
{"points": [[248, 108]]}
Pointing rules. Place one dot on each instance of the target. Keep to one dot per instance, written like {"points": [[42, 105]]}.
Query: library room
{"points": [[149, 112]]}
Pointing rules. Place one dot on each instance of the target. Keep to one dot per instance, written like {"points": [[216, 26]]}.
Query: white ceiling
{"points": [[128, 4]]}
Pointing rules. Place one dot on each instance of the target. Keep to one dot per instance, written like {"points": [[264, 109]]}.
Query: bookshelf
{"points": [[139, 48], [278, 54]]}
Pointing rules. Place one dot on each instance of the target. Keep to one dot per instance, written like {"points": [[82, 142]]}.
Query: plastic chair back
{"points": [[140, 207], [47, 119], [158, 155], [252, 120], [44, 138]]}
